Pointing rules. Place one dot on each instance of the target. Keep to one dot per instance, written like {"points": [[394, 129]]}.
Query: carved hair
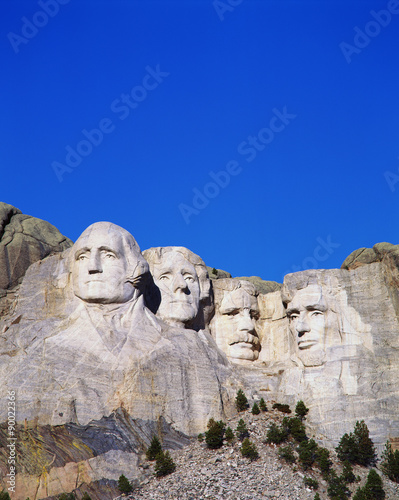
{"points": [[229, 285]]}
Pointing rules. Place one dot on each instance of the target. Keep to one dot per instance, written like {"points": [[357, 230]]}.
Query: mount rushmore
{"points": [[104, 345]]}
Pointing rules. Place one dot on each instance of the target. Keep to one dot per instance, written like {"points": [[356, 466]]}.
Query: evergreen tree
{"points": [[215, 434], [307, 453], [366, 454], [373, 488], [360, 494], [276, 435], [295, 427], [124, 485], [347, 473], [323, 460], [346, 449], [255, 409], [337, 489], [287, 454], [248, 450], [317, 497], [262, 405], [4, 495], [164, 464], [241, 401], [154, 448], [390, 462], [242, 431], [300, 410], [229, 435], [86, 496]]}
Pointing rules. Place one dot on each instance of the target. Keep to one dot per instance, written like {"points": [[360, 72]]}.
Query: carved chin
{"points": [[179, 313], [312, 358]]}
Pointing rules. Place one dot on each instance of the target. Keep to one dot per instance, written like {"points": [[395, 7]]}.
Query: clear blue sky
{"points": [[204, 80]]}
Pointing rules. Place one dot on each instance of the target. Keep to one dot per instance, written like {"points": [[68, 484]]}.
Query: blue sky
{"points": [[290, 105]]}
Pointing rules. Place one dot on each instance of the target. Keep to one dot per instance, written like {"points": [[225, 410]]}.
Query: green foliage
{"points": [[255, 409], [154, 448], [241, 401], [67, 496], [372, 490], [4, 495], [287, 454], [316, 497], [214, 271], [248, 450], [307, 453], [86, 496], [215, 433], [300, 410], [229, 435], [124, 485], [200, 438], [296, 428], [164, 464], [357, 447], [262, 405], [390, 463], [347, 473], [337, 489], [276, 435], [282, 408], [242, 431], [323, 460], [311, 483]]}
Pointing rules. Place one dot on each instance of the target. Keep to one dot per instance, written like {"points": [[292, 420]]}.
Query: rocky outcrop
{"points": [[23, 241]]}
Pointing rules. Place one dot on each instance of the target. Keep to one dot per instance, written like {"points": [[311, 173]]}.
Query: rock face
{"points": [[104, 347], [24, 240]]}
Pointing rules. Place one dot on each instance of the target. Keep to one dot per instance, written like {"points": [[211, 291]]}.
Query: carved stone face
{"points": [[178, 283], [100, 268], [307, 315], [234, 325]]}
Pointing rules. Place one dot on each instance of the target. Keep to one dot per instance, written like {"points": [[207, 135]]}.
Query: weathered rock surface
{"points": [[219, 274], [261, 285], [24, 240], [364, 256]]}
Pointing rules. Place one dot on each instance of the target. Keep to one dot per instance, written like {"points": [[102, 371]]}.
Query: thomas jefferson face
{"points": [[100, 268], [178, 283], [307, 315], [234, 325]]}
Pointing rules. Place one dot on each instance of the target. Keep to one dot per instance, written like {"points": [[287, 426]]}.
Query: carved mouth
{"points": [[242, 344], [306, 344]]}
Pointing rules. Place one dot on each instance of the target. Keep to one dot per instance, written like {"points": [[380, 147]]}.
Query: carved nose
{"points": [[302, 327], [245, 323], [179, 283], [95, 264]]}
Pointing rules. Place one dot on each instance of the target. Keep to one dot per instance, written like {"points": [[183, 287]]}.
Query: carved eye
{"points": [[110, 256], [164, 277], [82, 257], [293, 317], [189, 278], [317, 313], [234, 312]]}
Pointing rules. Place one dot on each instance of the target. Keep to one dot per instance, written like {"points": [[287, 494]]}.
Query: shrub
{"points": [[215, 433], [248, 450], [282, 408], [311, 483], [86, 496], [164, 464], [214, 271], [154, 448], [316, 497], [307, 453], [229, 435], [337, 489], [347, 473], [390, 463], [255, 409], [200, 438], [67, 496], [124, 485], [241, 401], [4, 495], [276, 435], [357, 447], [300, 410], [262, 405], [242, 431], [287, 454]]}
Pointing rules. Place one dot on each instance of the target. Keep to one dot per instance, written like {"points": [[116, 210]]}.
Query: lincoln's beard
{"points": [[312, 357]]}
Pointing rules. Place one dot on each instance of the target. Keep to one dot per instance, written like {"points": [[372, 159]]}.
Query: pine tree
{"points": [[287, 454], [323, 460], [390, 462], [317, 497], [347, 473], [164, 464], [307, 453], [242, 431], [229, 435], [124, 485], [241, 401], [373, 488], [255, 409], [248, 450], [276, 435], [262, 405], [154, 448], [346, 449], [337, 489], [366, 454], [215, 433], [300, 410]]}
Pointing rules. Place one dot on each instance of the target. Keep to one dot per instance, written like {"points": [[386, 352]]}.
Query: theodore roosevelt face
{"points": [[178, 283], [99, 271]]}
